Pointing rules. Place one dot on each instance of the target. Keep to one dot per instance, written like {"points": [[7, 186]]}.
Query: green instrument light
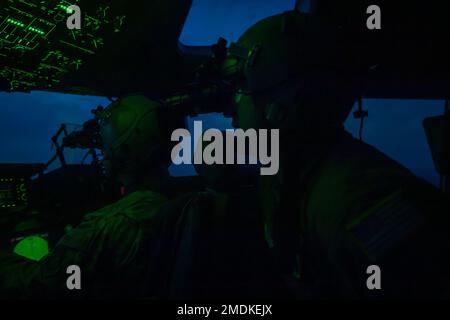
{"points": [[36, 30], [65, 8], [29, 22], [15, 22], [32, 247], [20, 24]]}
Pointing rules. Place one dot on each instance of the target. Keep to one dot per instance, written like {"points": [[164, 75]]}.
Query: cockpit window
{"points": [[395, 128], [29, 120], [208, 20]]}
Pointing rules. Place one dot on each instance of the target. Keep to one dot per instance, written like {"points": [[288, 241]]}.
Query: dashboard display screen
{"points": [[13, 193], [33, 247]]}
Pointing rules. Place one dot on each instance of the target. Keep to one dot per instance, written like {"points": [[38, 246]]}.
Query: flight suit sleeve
{"points": [[96, 246], [404, 239], [362, 209]]}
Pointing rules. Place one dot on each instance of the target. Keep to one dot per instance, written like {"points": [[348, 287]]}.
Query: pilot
{"points": [[210, 244], [111, 245], [341, 218]]}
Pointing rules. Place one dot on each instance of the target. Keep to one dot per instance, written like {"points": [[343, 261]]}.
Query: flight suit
{"points": [[111, 246], [210, 246], [350, 207]]}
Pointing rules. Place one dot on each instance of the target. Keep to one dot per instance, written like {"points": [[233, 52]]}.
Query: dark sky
{"points": [[395, 127], [208, 20], [27, 121]]}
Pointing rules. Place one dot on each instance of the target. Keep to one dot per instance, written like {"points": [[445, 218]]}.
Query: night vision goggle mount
{"points": [[216, 81], [88, 138]]}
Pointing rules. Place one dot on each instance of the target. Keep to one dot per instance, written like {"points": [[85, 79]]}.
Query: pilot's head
{"points": [[295, 75], [133, 140]]}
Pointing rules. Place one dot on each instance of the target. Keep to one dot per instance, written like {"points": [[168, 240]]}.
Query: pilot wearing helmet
{"points": [[210, 244], [337, 205], [111, 245]]}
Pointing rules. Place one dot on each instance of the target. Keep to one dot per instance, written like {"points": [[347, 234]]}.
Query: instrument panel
{"points": [[14, 186], [37, 49], [13, 193]]}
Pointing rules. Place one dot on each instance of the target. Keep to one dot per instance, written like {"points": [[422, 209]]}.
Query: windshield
{"points": [[395, 128], [29, 120], [209, 20]]}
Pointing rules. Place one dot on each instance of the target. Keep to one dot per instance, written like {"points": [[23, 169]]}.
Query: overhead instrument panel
{"points": [[37, 49]]}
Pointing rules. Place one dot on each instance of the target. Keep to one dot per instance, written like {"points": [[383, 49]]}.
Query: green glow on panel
{"points": [[36, 30], [8, 205], [32, 247], [15, 22], [65, 8], [20, 24]]}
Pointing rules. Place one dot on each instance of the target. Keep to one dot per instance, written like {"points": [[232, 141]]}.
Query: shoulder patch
{"points": [[385, 226]]}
